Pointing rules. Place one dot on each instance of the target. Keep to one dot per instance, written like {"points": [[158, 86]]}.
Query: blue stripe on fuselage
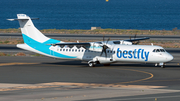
{"points": [[43, 47]]}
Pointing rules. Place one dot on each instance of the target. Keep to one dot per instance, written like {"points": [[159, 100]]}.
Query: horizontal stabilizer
{"points": [[22, 19]]}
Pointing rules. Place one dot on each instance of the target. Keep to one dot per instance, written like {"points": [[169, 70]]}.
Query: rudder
{"points": [[28, 29]]}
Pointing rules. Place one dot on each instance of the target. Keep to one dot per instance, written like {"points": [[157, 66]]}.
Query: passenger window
{"points": [[69, 49], [76, 50], [79, 50], [73, 50], [63, 49], [82, 50], [60, 50], [66, 49]]}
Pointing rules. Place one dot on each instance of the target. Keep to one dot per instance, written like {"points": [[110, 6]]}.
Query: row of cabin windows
{"points": [[78, 50], [73, 50], [159, 50]]}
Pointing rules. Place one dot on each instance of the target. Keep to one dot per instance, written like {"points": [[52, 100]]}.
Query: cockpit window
{"points": [[162, 50], [159, 50]]}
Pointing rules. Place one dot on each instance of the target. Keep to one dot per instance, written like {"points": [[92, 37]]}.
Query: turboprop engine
{"points": [[126, 43]]}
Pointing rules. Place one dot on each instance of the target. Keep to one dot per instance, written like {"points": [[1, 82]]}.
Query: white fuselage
{"points": [[118, 53]]}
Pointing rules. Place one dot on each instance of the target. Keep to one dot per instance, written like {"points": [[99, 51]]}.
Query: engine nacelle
{"points": [[103, 60], [95, 47]]}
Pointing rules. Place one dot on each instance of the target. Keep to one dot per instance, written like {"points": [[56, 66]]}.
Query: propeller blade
{"points": [[101, 53], [103, 38], [135, 36], [105, 53], [107, 40], [104, 47]]}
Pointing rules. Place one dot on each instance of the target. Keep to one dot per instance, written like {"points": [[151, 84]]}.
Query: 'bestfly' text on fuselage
{"points": [[136, 54]]}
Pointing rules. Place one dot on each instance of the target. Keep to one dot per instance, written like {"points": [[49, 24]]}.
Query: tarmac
{"points": [[30, 78], [42, 78]]}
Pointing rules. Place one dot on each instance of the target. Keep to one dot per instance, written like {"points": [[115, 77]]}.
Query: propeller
{"points": [[104, 47], [137, 42], [134, 38]]}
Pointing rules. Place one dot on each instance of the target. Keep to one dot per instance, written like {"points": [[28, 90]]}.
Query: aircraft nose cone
{"points": [[170, 57]]}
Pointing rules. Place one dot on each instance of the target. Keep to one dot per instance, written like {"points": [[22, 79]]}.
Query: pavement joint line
{"points": [[162, 80], [15, 63], [151, 76]]}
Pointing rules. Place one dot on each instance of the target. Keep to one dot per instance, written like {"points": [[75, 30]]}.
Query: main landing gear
{"points": [[91, 64], [160, 64]]}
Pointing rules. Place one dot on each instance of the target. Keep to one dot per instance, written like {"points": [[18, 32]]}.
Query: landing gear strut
{"points": [[162, 65]]}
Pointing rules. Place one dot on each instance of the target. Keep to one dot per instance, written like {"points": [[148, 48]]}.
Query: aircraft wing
{"points": [[137, 39]]}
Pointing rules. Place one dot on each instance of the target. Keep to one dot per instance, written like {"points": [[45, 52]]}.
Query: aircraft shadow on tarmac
{"points": [[80, 64]]}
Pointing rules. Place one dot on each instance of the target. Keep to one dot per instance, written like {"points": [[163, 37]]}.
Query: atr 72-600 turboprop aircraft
{"points": [[103, 52]]}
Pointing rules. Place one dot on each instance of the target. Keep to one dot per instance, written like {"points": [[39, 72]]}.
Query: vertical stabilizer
{"points": [[28, 29]]}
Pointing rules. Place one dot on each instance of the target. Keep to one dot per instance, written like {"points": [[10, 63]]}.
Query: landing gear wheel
{"points": [[162, 66], [91, 64]]}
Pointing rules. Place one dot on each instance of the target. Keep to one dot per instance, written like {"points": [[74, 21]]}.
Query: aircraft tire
{"points": [[163, 66], [91, 64]]}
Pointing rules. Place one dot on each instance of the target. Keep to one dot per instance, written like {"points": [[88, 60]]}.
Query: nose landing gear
{"points": [[160, 64]]}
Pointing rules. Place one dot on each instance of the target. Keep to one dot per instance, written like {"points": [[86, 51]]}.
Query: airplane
{"points": [[101, 52]]}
